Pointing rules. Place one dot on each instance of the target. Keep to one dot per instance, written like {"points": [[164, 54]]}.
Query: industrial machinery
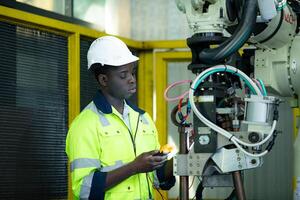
{"points": [[234, 119]]}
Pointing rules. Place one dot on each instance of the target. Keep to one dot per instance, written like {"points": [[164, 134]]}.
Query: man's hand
{"points": [[148, 161]]}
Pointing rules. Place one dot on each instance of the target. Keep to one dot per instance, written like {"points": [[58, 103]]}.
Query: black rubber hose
{"points": [[237, 40], [230, 9], [173, 116]]}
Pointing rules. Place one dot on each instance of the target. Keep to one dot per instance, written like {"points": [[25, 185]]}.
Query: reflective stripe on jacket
{"points": [[99, 141]]}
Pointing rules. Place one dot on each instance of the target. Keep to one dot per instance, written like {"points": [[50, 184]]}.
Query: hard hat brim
{"points": [[126, 61]]}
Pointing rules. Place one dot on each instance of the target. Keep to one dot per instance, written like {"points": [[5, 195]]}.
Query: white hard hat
{"points": [[109, 50]]}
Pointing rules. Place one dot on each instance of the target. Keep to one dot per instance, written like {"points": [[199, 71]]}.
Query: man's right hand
{"points": [[148, 161]]}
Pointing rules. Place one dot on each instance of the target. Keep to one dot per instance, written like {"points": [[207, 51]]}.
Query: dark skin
{"points": [[116, 85]]}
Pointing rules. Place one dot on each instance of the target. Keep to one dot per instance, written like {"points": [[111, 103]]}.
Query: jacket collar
{"points": [[102, 104]]}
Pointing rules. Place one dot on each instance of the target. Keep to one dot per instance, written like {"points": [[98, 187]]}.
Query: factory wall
{"points": [[157, 20]]}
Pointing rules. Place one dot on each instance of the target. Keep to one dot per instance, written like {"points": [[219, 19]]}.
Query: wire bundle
{"points": [[181, 116], [261, 86]]}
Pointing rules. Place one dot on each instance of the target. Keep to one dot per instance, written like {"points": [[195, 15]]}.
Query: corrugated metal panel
{"points": [[88, 83], [33, 113]]}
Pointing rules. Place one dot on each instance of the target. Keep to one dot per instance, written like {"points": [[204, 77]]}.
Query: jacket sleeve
{"points": [[83, 150]]}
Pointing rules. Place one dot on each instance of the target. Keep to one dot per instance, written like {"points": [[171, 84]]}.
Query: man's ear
{"points": [[102, 79]]}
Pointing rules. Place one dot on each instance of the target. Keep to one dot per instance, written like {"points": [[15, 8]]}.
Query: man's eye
{"points": [[123, 75]]}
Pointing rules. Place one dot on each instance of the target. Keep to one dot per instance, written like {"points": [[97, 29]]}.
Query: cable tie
{"points": [[236, 72], [225, 68], [231, 137]]}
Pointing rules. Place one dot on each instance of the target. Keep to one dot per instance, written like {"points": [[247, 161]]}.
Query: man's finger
{"points": [[158, 166], [153, 152], [158, 158], [159, 162]]}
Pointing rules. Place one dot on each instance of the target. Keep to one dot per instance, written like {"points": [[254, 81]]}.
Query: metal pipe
{"points": [[184, 180], [238, 185]]}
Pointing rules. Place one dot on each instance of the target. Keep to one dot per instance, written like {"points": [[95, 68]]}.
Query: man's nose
{"points": [[132, 78]]}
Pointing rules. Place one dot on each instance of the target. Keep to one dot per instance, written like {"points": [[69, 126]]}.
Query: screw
{"points": [[253, 161]]}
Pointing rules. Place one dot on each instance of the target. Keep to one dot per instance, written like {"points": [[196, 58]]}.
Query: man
{"points": [[112, 145]]}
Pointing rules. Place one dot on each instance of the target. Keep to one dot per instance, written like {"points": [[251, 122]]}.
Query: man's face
{"points": [[121, 81]]}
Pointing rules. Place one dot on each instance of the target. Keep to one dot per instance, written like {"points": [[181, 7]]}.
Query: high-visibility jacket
{"points": [[99, 141]]}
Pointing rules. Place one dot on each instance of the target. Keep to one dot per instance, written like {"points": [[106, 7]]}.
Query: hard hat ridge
{"points": [[109, 50]]}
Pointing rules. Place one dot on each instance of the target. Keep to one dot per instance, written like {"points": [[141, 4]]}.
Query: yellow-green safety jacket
{"points": [[99, 141]]}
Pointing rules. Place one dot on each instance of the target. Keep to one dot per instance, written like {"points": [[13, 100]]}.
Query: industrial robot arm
{"points": [[235, 120]]}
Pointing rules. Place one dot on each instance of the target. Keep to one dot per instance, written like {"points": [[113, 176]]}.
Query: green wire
{"points": [[263, 87], [278, 8]]}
